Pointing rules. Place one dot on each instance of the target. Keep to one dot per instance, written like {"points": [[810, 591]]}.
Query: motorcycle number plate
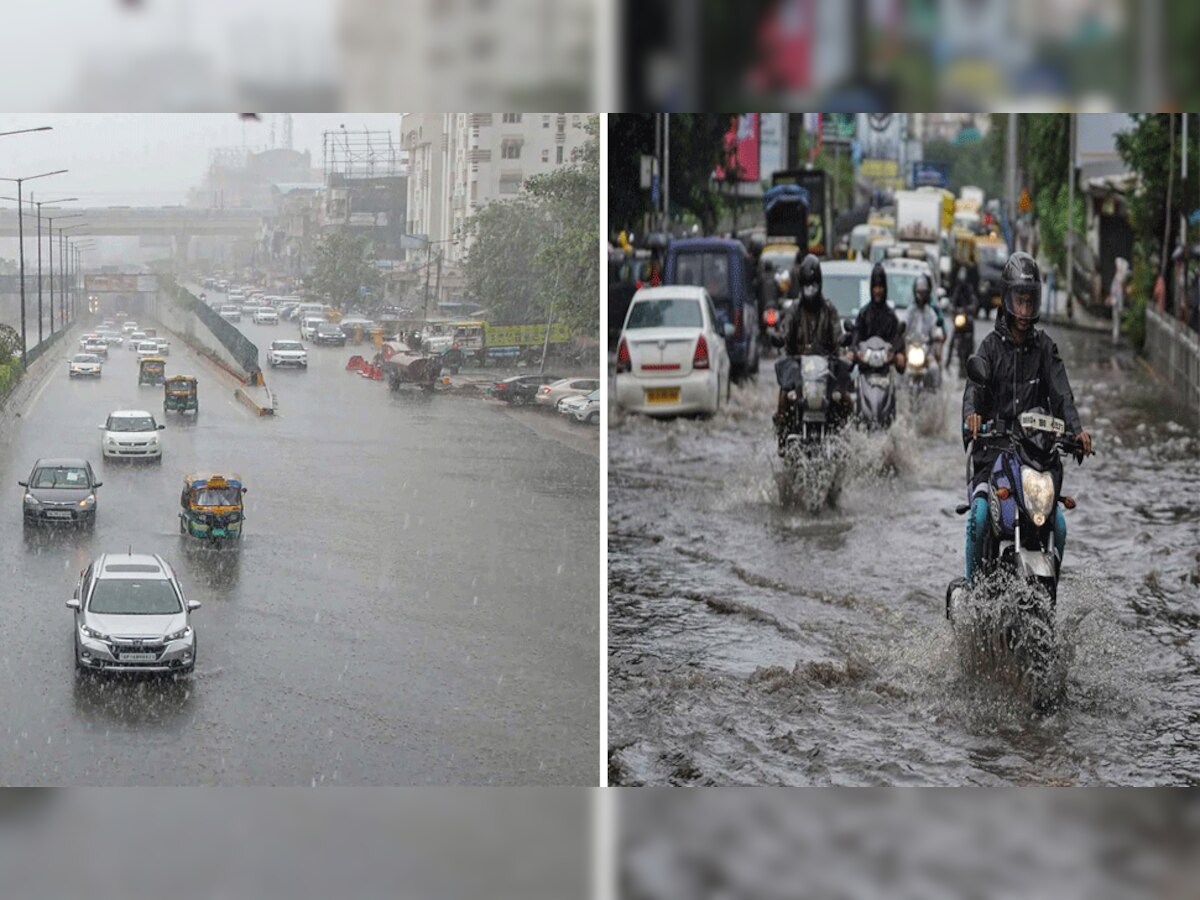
{"points": [[662, 395]]}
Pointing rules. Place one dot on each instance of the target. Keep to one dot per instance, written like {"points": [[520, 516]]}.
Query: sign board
{"points": [[647, 171], [123, 284], [934, 174], [879, 168], [741, 148], [526, 335], [772, 143], [838, 128]]}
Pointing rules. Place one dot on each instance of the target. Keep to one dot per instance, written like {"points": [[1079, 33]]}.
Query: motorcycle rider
{"points": [[768, 293], [1025, 372], [962, 300], [924, 323], [812, 327], [877, 319]]}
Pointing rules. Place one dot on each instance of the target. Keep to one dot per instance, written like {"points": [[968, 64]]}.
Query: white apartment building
{"points": [[459, 162]]}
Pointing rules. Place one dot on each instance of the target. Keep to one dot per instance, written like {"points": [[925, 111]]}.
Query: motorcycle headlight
{"points": [[916, 357], [31, 500], [182, 634], [88, 501], [1038, 489], [960, 320], [92, 633]]}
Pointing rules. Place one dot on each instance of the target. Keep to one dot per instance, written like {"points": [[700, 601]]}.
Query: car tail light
{"points": [[624, 363], [772, 317], [700, 357], [499, 387]]}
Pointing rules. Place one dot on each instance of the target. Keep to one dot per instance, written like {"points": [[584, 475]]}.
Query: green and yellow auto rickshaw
{"points": [[179, 394], [211, 506], [152, 370]]}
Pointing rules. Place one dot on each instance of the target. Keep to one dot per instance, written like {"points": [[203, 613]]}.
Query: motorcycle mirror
{"points": [[978, 370], [903, 328]]}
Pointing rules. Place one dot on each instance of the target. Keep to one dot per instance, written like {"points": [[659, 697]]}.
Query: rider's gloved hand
{"points": [[973, 423], [1085, 445]]}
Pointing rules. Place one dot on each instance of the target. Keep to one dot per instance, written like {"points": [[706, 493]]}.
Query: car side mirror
{"points": [[727, 329], [73, 603], [244, 490], [978, 370], [193, 605], [162, 427], [23, 483], [102, 427], [97, 484]]}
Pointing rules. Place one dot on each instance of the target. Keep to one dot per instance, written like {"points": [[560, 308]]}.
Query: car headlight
{"points": [[110, 440], [31, 500], [182, 634], [1038, 488], [88, 502], [92, 633]]}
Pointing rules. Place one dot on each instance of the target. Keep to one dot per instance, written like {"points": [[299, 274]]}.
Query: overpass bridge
{"points": [[180, 223]]}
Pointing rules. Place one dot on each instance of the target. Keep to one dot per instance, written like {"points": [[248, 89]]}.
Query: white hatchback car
{"points": [[131, 434], [148, 347], [671, 356]]}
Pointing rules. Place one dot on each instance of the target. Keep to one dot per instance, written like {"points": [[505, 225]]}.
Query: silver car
{"points": [[131, 616]]}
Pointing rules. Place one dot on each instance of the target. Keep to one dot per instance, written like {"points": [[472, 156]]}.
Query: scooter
{"points": [[876, 383], [1024, 490]]}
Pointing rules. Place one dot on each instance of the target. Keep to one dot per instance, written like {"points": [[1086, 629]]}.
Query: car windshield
{"points": [[287, 345], [992, 253], [594, 395], [217, 497], [134, 597], [131, 423], [900, 286], [781, 259], [665, 313], [85, 358], [848, 292], [707, 270], [60, 477]]}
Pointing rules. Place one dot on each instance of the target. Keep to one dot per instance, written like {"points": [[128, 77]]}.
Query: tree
{"points": [[341, 269]]}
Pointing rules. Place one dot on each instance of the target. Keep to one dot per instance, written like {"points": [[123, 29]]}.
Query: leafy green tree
{"points": [[340, 268]]}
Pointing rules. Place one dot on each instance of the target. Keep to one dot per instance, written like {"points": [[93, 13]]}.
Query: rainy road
{"points": [[751, 642], [415, 601]]}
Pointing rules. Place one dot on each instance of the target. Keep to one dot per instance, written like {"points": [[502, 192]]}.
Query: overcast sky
{"points": [[131, 159]]}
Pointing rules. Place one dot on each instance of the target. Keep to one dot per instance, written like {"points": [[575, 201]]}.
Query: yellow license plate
{"points": [[662, 395]]}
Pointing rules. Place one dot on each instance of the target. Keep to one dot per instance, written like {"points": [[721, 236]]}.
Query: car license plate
{"points": [[57, 514], [662, 395], [137, 657]]}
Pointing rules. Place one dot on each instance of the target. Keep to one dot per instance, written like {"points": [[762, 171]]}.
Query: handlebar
{"points": [[993, 430]]}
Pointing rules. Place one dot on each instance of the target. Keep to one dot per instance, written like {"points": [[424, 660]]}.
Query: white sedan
{"points": [[84, 365], [671, 356], [550, 395], [147, 347], [131, 434]]}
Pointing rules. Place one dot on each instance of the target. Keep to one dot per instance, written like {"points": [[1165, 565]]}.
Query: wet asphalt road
{"points": [[415, 600], [756, 642]]}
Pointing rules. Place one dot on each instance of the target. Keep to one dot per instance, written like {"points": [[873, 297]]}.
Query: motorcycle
{"points": [[921, 373], [1023, 492], [876, 383], [962, 341], [814, 408]]}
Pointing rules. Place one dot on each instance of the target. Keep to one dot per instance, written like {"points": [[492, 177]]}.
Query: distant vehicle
{"points": [[308, 327], [112, 337], [135, 338], [265, 315], [671, 356], [129, 327], [131, 616], [86, 365], [550, 395], [287, 353], [521, 389], [60, 491], [847, 285], [723, 268], [131, 434], [146, 348], [328, 333], [97, 346], [164, 346], [231, 313]]}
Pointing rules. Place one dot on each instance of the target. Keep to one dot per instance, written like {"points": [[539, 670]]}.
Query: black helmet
{"points": [[1021, 277], [810, 279], [768, 266], [922, 289], [879, 276]]}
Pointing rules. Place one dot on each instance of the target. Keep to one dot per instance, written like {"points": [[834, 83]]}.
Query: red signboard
{"points": [[741, 146]]}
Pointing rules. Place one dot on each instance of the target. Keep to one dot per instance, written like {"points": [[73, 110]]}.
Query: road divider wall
{"points": [[233, 346], [1173, 350]]}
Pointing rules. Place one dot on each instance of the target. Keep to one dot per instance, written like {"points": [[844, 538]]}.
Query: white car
{"points": [[135, 340], [129, 327], [231, 313], [147, 347], [131, 434], [308, 327], [671, 356], [550, 395], [266, 316], [582, 408], [164, 346], [87, 365], [287, 353]]}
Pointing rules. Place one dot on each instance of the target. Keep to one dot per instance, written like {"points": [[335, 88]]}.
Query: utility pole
{"points": [[658, 163], [427, 262], [1010, 176], [1071, 216], [437, 287], [666, 174]]}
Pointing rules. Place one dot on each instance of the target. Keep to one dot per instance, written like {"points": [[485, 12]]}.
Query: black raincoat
{"points": [[877, 320]]}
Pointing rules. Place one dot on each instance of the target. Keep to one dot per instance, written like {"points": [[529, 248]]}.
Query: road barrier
{"points": [[240, 347], [1173, 350]]}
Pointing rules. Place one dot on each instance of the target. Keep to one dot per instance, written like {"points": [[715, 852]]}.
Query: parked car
{"points": [[582, 408], [60, 491], [131, 434], [131, 615], [231, 313], [266, 316], [84, 365], [328, 333], [549, 395], [671, 356], [521, 389], [287, 353]]}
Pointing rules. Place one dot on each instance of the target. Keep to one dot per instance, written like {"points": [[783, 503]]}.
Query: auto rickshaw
{"points": [[211, 506], [179, 394], [152, 370]]}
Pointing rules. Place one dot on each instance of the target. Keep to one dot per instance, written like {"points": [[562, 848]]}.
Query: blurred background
{"points": [[879, 55], [298, 55]]}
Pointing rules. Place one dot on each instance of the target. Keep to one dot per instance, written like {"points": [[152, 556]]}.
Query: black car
{"points": [[60, 492], [328, 333], [521, 389]]}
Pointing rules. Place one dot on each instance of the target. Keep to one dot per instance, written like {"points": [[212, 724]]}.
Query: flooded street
{"points": [[752, 641]]}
